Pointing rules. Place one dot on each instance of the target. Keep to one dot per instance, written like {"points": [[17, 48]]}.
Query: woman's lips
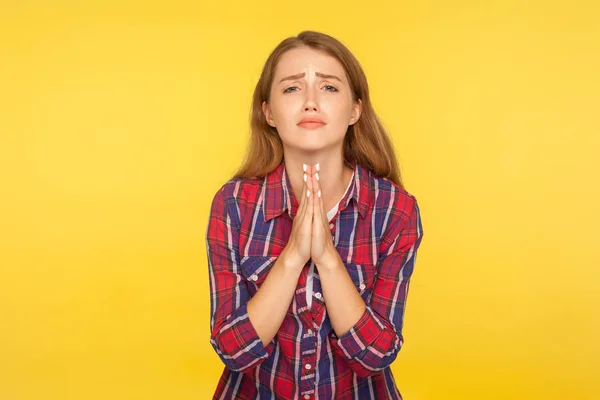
{"points": [[311, 125]]}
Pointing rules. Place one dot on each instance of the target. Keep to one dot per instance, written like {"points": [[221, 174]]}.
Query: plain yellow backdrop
{"points": [[120, 120]]}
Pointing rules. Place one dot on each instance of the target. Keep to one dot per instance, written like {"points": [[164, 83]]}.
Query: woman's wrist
{"points": [[290, 262]]}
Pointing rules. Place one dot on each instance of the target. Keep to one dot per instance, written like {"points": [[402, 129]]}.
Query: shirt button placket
{"points": [[308, 362]]}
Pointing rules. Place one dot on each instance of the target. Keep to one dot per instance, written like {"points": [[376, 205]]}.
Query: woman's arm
{"points": [[344, 304], [243, 328], [374, 340], [233, 335], [267, 308]]}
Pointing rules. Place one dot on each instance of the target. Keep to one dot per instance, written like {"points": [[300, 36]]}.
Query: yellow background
{"points": [[119, 122]]}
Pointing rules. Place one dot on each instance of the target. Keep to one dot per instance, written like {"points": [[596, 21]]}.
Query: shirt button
{"points": [[307, 366], [362, 286], [307, 396], [331, 226], [254, 277], [318, 295]]}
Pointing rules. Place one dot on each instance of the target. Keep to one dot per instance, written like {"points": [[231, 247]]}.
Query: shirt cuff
{"points": [[242, 340], [366, 330]]}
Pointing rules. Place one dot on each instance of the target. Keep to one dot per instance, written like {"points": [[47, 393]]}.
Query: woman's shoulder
{"points": [[397, 208], [388, 194], [238, 189]]}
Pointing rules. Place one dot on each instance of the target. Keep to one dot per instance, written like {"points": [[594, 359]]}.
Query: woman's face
{"points": [[310, 84]]}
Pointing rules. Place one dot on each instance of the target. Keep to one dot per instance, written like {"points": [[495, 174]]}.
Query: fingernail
{"points": [[317, 174], [308, 193], [317, 166], [305, 178], [304, 167], [319, 193]]}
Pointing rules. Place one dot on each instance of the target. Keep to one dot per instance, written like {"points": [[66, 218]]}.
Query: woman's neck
{"points": [[334, 177]]}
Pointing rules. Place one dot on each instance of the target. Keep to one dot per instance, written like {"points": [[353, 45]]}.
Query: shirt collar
{"points": [[277, 195]]}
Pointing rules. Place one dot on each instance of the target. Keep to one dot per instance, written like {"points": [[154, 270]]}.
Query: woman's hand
{"points": [[298, 249], [310, 237], [322, 251]]}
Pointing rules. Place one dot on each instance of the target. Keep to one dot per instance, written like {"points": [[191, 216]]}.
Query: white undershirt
{"points": [[309, 280]]}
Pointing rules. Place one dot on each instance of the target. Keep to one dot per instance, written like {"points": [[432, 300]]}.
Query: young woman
{"points": [[312, 243]]}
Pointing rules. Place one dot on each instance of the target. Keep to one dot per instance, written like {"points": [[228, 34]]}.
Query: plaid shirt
{"points": [[377, 231]]}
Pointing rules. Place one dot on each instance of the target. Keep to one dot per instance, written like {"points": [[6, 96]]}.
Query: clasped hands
{"points": [[311, 237]]}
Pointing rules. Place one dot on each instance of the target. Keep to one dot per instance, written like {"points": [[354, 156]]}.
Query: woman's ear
{"points": [[267, 112], [356, 112]]}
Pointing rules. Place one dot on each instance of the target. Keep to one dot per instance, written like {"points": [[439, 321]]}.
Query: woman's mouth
{"points": [[311, 124]]}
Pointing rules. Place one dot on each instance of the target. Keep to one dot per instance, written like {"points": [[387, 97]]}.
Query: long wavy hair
{"points": [[366, 141]]}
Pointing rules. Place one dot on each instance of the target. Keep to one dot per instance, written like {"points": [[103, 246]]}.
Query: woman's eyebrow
{"points": [[301, 75]]}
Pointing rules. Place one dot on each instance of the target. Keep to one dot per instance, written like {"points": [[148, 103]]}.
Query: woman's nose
{"points": [[310, 102]]}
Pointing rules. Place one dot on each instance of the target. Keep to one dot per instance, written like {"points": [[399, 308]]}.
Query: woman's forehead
{"points": [[310, 61]]}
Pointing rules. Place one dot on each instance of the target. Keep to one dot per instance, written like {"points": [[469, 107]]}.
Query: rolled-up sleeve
{"points": [[373, 343], [233, 336]]}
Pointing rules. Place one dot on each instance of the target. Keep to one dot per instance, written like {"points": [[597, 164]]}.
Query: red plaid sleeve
{"points": [[232, 334], [373, 343]]}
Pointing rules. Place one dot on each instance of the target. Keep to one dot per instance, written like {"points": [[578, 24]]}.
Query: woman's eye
{"points": [[327, 87]]}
